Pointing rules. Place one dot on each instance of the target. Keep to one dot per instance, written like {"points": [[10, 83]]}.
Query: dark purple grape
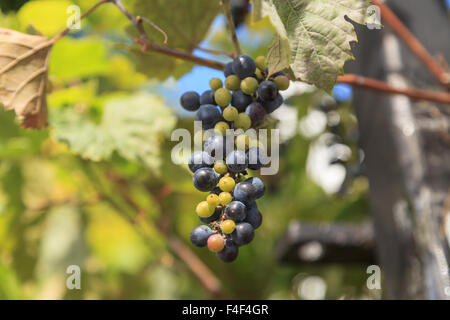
{"points": [[244, 192], [215, 216], [215, 147], [236, 211], [209, 115], [255, 156], [254, 217], [240, 100], [239, 10], [207, 97], [271, 106], [256, 112], [216, 190], [237, 161], [243, 234], [244, 66], [200, 235], [230, 252], [205, 179], [259, 186], [190, 101], [200, 159], [267, 91], [228, 69]]}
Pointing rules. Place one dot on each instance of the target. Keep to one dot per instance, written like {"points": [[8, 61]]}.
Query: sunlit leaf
{"points": [[318, 34], [47, 16]]}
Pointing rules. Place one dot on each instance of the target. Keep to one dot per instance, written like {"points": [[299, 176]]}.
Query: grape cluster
{"points": [[230, 212]]}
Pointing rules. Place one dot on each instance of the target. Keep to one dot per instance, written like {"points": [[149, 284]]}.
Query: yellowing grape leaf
{"points": [[23, 76], [318, 34]]}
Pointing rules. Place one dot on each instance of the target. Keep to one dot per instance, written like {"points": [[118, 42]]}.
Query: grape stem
{"points": [[234, 39]]}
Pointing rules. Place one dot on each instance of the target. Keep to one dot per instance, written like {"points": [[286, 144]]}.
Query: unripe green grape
{"points": [[230, 113], [222, 97], [261, 62], [215, 83], [282, 82], [213, 200], [232, 82], [243, 121], [204, 210], [225, 198], [221, 127], [220, 167], [242, 142], [226, 184], [228, 226], [249, 85], [258, 74]]}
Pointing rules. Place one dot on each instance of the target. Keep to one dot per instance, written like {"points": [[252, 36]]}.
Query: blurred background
{"points": [[124, 214]]}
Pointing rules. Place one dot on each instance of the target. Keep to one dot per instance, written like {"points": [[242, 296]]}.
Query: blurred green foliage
{"points": [[98, 189]]}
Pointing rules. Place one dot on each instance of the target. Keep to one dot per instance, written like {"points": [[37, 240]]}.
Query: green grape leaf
{"points": [[73, 59], [186, 24], [131, 126], [318, 34], [279, 55], [48, 17]]}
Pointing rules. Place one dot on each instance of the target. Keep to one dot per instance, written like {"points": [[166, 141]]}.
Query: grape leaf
{"points": [[318, 34], [278, 56], [131, 126], [23, 76]]}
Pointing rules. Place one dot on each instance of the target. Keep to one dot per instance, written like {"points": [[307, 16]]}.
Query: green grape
{"points": [[232, 82], [204, 210], [249, 85], [259, 75], [226, 184], [243, 121], [261, 62], [221, 127], [213, 200], [242, 142], [225, 198], [230, 113], [215, 84], [222, 97], [228, 226], [282, 82], [220, 167]]}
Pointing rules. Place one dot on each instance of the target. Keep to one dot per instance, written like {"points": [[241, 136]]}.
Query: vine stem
{"points": [[380, 86], [234, 39], [414, 44]]}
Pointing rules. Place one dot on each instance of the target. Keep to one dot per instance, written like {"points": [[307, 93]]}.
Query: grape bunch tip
{"points": [[229, 212]]}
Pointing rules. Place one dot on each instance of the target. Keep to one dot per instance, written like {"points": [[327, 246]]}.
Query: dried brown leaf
{"points": [[23, 76]]}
